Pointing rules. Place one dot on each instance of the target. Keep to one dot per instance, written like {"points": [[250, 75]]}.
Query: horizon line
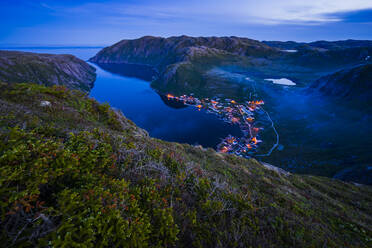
{"points": [[60, 46]]}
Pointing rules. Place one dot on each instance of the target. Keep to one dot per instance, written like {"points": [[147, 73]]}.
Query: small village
{"points": [[230, 111]]}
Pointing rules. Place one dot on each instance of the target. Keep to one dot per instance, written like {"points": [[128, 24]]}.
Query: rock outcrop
{"points": [[46, 69]]}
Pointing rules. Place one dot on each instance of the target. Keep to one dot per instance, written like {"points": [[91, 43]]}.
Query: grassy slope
{"points": [[190, 76], [78, 174]]}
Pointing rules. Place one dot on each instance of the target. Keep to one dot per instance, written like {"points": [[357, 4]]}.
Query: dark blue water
{"points": [[316, 136], [135, 98], [148, 110]]}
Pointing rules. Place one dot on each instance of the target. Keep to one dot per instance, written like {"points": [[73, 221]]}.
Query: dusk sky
{"points": [[81, 22]]}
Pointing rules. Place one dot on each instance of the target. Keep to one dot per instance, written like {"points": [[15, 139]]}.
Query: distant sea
{"points": [[82, 52]]}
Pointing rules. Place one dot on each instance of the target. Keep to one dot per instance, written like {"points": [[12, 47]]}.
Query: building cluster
{"points": [[230, 111]]}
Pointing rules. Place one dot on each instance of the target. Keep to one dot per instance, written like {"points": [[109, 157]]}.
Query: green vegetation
{"points": [[191, 76], [76, 173]]}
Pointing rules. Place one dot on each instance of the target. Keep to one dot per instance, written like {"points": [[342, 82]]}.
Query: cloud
{"points": [[268, 12], [291, 11], [359, 16], [106, 21]]}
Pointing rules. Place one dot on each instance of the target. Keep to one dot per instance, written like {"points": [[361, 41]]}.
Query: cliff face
{"points": [[353, 85], [46, 69]]}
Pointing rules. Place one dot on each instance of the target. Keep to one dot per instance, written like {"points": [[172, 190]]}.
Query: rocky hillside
{"points": [[75, 173], [183, 62], [46, 69], [351, 85], [162, 52]]}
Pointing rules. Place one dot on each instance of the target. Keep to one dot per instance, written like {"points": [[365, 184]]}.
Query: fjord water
{"points": [[135, 98], [141, 104], [316, 136]]}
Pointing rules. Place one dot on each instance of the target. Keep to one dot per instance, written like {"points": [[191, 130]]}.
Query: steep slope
{"points": [[350, 85], [76, 173], [46, 69]]}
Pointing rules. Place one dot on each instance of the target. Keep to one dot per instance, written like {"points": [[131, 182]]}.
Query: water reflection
{"points": [[167, 120], [144, 72], [172, 102]]}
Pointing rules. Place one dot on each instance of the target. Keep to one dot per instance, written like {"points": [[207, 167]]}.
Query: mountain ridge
{"points": [[338, 44], [183, 62]]}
